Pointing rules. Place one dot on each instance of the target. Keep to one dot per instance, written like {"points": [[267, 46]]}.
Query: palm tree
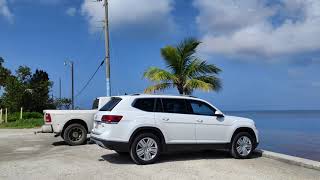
{"points": [[186, 71]]}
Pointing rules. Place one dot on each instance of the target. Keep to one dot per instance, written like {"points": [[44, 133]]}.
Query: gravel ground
{"points": [[24, 155]]}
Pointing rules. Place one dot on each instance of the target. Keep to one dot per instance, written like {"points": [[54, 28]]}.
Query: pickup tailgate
{"points": [[58, 118]]}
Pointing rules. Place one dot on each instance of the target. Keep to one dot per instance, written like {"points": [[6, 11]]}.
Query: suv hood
{"points": [[239, 119]]}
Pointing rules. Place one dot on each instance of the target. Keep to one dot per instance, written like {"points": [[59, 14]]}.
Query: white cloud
{"points": [[256, 28], [71, 11], [129, 12], [5, 11]]}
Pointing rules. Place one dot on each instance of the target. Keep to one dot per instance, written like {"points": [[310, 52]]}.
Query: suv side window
{"points": [[174, 106], [145, 104], [201, 108]]}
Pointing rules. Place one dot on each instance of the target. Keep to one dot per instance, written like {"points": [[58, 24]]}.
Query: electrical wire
{"points": [[91, 78]]}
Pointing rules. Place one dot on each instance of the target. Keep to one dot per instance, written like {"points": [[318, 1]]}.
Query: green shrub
{"points": [[25, 123], [26, 115], [32, 115]]}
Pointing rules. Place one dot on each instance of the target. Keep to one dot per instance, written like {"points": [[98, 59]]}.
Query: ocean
{"points": [[295, 133]]}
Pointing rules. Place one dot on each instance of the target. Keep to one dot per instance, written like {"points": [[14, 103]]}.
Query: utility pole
{"points": [[60, 88], [72, 77], [71, 64], [107, 45]]}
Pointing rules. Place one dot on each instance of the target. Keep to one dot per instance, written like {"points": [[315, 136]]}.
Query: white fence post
{"points": [[21, 111], [6, 116], [1, 115]]}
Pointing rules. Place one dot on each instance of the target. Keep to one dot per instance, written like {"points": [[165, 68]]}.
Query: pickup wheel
{"points": [[242, 145], [75, 134], [145, 149]]}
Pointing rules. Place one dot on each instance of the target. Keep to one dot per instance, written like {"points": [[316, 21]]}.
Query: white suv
{"points": [[147, 125]]}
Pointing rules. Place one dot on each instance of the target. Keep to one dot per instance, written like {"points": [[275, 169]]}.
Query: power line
{"points": [[85, 86]]}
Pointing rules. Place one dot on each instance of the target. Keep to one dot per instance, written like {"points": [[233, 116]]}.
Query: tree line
{"points": [[27, 89]]}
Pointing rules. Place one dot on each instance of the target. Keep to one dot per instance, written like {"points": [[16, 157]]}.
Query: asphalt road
{"points": [[24, 155]]}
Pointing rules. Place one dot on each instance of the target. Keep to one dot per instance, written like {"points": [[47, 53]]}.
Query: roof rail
{"points": [[137, 94], [189, 96]]}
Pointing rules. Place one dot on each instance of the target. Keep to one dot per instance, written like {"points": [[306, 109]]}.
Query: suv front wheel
{"points": [[242, 145], [145, 149]]}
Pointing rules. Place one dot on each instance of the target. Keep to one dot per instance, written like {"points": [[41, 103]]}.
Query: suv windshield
{"points": [[111, 104]]}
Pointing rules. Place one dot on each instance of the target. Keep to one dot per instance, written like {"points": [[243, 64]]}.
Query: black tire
{"points": [[133, 153], [71, 132], [235, 139]]}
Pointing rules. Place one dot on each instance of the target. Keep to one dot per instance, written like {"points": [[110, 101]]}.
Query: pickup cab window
{"points": [[95, 104]]}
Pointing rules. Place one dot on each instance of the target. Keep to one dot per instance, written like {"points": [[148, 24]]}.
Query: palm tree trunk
{"points": [[180, 89]]}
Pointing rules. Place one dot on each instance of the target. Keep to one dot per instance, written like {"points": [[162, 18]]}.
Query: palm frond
{"points": [[197, 84], [157, 87], [188, 47], [171, 58], [186, 50], [186, 71], [158, 75], [213, 80], [198, 67]]}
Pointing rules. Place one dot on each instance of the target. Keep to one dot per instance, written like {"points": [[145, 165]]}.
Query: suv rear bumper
{"points": [[112, 145]]}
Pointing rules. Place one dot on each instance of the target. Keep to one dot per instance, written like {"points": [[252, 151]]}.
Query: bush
{"points": [[25, 123], [32, 115], [26, 115]]}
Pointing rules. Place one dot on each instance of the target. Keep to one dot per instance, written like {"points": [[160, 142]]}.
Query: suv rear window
{"points": [[145, 104], [111, 104]]}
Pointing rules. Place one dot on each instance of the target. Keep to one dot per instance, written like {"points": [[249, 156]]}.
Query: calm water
{"points": [[294, 133]]}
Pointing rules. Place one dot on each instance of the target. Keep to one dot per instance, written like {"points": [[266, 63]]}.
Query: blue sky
{"points": [[268, 50]]}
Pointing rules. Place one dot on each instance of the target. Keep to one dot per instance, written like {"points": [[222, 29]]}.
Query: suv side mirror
{"points": [[218, 114]]}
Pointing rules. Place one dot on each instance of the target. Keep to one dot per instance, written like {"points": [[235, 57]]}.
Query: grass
{"points": [[22, 124]]}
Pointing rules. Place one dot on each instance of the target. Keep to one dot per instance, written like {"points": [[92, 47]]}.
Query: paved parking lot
{"points": [[24, 155]]}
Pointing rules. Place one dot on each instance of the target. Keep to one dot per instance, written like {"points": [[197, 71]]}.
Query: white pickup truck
{"points": [[72, 125]]}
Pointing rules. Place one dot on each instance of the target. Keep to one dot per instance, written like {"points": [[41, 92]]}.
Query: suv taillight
{"points": [[47, 118], [111, 119]]}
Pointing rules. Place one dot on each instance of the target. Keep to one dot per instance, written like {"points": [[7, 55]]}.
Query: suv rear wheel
{"points": [[145, 149], [75, 134], [242, 145]]}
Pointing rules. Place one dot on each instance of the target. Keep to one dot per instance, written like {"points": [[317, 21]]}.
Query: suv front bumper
{"points": [[112, 145]]}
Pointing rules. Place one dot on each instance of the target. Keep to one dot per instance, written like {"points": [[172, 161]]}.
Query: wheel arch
{"points": [[148, 129], [244, 129], [74, 121]]}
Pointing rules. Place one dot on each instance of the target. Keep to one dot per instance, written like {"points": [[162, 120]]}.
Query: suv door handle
{"points": [[200, 121], [165, 119]]}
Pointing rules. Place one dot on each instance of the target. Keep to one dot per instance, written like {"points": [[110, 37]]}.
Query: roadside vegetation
{"points": [[29, 120], [185, 71], [25, 89]]}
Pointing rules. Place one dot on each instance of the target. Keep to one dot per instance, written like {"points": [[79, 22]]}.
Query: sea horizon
{"points": [[292, 132]]}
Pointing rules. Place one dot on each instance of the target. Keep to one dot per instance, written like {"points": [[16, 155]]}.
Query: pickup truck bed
{"points": [[72, 125]]}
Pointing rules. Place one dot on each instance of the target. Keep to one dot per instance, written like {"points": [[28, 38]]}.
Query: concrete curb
{"points": [[290, 159]]}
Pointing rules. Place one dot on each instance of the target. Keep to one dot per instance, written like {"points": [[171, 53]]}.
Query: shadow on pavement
{"points": [[63, 143], [178, 156], [60, 143]]}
